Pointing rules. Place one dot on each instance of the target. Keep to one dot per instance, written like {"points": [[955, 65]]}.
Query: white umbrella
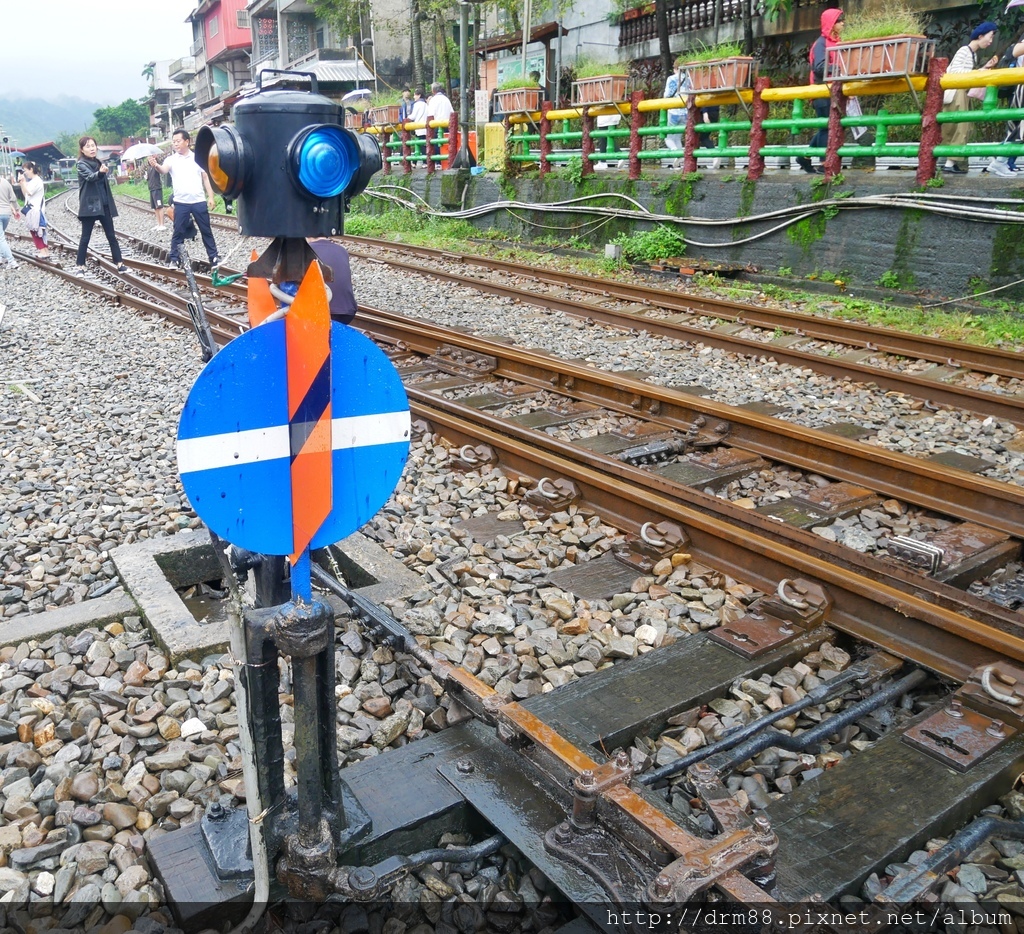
{"points": [[140, 151], [360, 93]]}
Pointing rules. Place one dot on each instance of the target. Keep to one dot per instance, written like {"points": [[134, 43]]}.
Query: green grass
{"points": [[895, 20], [141, 190], [410, 227], [711, 53], [1002, 327]]}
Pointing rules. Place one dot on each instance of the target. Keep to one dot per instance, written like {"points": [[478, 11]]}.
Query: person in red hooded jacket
{"points": [[832, 22]]}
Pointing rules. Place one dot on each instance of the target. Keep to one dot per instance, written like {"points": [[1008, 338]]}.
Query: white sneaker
{"points": [[13, 264], [80, 271], [158, 227], [999, 168]]}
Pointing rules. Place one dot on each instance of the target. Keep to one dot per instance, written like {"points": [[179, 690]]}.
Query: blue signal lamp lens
{"points": [[327, 159]]}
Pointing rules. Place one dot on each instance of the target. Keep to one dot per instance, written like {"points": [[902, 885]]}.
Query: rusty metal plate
{"points": [[486, 528], [611, 443], [549, 417], [838, 499], [789, 340], [713, 468], [959, 740], [972, 551], [763, 408], [436, 382], [848, 430], [752, 637], [821, 505], [485, 400], [596, 580], [961, 461], [962, 553], [939, 372], [645, 431], [792, 513]]}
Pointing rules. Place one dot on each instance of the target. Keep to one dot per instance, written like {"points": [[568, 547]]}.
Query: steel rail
{"points": [[1004, 407], [933, 486], [900, 343], [153, 302], [904, 623], [642, 482]]}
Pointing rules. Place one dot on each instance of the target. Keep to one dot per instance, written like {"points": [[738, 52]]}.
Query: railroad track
{"points": [[920, 367], [523, 766]]}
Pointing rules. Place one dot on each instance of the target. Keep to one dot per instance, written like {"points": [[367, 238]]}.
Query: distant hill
{"points": [[31, 120]]}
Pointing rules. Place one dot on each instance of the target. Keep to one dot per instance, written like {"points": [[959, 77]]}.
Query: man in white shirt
{"points": [[439, 107], [188, 182]]}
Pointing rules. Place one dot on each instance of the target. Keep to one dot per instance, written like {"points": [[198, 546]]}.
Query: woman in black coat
{"points": [[95, 203]]}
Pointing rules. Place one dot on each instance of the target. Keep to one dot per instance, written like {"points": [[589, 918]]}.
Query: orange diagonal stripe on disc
{"points": [[308, 346], [261, 303]]}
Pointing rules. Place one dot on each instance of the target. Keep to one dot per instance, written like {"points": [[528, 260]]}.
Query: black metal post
{"points": [[464, 157]]}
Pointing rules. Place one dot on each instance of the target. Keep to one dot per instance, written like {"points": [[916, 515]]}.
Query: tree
{"points": [[67, 142], [661, 23], [129, 118], [346, 16]]}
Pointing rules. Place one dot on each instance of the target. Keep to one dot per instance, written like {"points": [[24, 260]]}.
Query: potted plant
{"points": [[720, 68], [599, 82], [382, 110], [882, 44], [517, 95]]}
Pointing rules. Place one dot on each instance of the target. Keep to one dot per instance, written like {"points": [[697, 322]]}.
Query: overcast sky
{"points": [[94, 51]]}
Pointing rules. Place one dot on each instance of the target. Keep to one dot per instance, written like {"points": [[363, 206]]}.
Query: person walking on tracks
{"points": [[188, 182], [33, 191], [155, 183], [8, 208], [95, 203]]}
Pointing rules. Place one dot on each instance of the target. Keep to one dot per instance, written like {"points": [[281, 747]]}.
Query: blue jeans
{"points": [[5, 250]]}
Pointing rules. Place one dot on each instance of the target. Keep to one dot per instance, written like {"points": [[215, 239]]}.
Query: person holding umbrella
{"points": [[154, 180], [95, 203]]}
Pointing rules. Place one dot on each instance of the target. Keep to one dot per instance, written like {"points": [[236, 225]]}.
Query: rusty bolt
{"points": [[563, 833], [955, 709], [995, 728], [762, 823], [622, 760], [586, 779], [662, 886], [363, 880], [464, 766], [506, 733]]}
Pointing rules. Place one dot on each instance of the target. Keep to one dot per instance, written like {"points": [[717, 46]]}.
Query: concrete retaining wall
{"points": [[941, 255]]}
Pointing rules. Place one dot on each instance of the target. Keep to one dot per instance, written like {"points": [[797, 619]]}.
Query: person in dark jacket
{"points": [[95, 203]]}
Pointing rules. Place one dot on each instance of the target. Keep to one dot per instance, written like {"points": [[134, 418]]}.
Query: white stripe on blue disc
{"points": [[233, 439]]}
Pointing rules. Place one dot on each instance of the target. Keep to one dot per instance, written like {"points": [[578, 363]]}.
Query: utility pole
{"points": [[464, 157]]}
